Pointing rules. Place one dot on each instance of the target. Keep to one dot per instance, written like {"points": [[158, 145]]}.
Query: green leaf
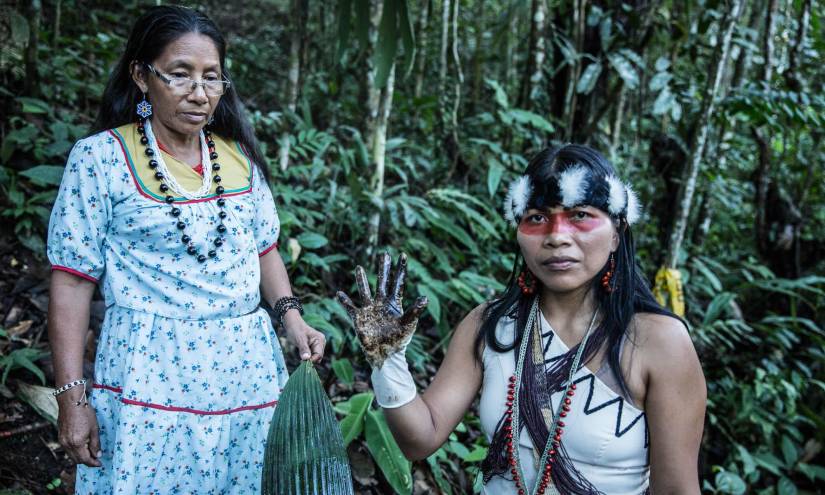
{"points": [[33, 105], [663, 102], [789, 451], [305, 451], [717, 306], [433, 304], [387, 454], [494, 173], [353, 424], [44, 175], [748, 464], [438, 473], [530, 118], [786, 487], [589, 77], [343, 370], [625, 69], [727, 482], [812, 471], [311, 240]]}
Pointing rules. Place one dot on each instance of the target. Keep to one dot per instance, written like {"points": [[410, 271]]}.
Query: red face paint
{"points": [[566, 222]]}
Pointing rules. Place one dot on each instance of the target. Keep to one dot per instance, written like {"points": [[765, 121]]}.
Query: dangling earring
{"points": [[527, 282], [608, 275], [144, 108]]}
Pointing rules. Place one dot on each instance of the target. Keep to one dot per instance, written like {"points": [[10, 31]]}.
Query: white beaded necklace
{"points": [[169, 179]]}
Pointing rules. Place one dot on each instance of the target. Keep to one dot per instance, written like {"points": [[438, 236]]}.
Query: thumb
{"points": [[303, 347], [94, 442]]}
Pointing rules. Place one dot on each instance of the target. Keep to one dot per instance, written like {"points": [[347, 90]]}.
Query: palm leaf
{"points": [[305, 451]]}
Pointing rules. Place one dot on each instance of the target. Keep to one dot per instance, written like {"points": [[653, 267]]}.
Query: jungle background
{"points": [[396, 125]]}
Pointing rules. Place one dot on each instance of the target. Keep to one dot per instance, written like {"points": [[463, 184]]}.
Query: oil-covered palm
{"points": [[382, 326]]}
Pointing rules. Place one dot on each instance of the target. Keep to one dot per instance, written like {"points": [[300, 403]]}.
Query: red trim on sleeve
{"points": [[270, 248], [75, 273]]}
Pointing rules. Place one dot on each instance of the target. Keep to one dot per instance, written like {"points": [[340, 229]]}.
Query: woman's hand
{"points": [[77, 430], [381, 324], [310, 342]]}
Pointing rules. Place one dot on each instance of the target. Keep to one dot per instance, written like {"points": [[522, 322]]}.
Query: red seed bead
{"points": [[573, 386], [567, 401], [520, 491], [509, 403], [548, 467], [552, 452], [561, 423], [510, 396], [563, 414], [557, 437], [513, 462], [571, 393], [566, 408], [559, 431], [512, 378]]}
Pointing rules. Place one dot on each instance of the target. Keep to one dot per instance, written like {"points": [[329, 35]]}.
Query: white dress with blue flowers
{"points": [[188, 367]]}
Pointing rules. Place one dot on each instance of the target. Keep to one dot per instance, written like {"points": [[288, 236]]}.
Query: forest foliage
{"points": [[395, 125]]}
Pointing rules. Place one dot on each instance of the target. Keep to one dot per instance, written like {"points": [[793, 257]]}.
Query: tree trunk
{"points": [[699, 140], [793, 80], [533, 74], [763, 173], [299, 10], [373, 93], [478, 57], [34, 14], [445, 37], [616, 128], [378, 152], [421, 54], [575, 69], [508, 75], [57, 14]]}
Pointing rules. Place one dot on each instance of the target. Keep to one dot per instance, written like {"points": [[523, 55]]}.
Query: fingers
{"points": [[399, 279], [303, 347], [384, 265], [94, 443], [79, 449], [413, 312], [317, 342], [348, 305], [363, 285]]}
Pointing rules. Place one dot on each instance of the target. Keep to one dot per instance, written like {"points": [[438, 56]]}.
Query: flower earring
{"points": [[527, 282], [144, 108], [607, 278]]}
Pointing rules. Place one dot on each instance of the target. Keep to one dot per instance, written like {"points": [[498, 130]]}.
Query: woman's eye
{"points": [[178, 75], [580, 215], [210, 78], [536, 218]]}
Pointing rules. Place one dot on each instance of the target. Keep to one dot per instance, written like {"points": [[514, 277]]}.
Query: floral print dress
{"points": [[188, 367]]}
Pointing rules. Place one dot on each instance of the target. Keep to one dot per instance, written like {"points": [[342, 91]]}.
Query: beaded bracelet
{"points": [[283, 305], [70, 386]]}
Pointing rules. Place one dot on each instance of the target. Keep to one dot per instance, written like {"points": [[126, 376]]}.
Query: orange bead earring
{"points": [[608, 275], [527, 282]]}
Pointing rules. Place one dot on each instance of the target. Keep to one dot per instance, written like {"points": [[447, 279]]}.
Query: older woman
{"points": [[167, 208], [587, 385]]}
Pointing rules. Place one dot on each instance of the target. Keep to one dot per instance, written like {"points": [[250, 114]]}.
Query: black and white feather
{"points": [[518, 195], [573, 186]]}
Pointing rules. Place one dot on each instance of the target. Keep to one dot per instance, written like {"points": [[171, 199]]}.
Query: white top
{"points": [[605, 436]]}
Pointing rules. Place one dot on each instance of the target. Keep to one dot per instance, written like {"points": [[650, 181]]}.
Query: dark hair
{"points": [[152, 32], [631, 295]]}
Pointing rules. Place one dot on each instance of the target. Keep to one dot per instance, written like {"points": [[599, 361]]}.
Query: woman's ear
{"points": [[614, 242], [139, 76]]}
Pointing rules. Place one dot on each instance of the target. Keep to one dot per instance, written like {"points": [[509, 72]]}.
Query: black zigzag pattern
{"points": [[588, 409]]}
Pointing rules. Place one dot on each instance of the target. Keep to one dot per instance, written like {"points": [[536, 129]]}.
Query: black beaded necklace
{"points": [[176, 211]]}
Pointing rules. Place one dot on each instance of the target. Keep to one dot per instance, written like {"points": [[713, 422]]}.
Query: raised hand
{"points": [[382, 326]]}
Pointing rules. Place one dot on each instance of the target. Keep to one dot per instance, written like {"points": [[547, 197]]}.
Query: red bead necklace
{"points": [[512, 418]]}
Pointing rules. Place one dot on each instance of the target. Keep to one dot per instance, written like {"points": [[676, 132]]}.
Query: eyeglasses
{"points": [[184, 85]]}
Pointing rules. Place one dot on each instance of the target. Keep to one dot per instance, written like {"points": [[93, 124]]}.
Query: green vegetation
{"points": [[395, 125]]}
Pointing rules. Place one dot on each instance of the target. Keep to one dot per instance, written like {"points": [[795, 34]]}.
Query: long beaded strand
{"points": [[512, 418], [167, 182]]}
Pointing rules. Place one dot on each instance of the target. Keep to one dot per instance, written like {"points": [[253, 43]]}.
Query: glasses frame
{"points": [[192, 83]]}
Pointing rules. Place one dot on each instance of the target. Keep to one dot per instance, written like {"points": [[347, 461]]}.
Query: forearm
{"points": [[416, 429], [70, 299], [274, 278]]}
